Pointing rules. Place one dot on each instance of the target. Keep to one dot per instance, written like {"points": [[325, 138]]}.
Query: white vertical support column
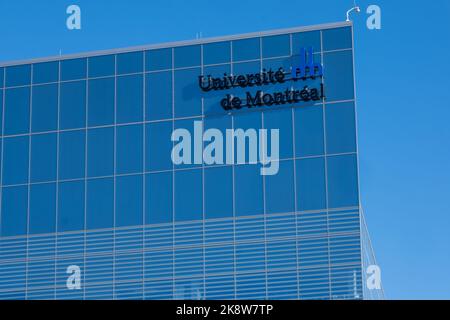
{"points": [[3, 143], [203, 180], [173, 177], [114, 180], [57, 177], [144, 103], [86, 121]]}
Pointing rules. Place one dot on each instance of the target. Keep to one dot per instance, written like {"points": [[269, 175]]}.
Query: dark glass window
{"points": [[188, 195], [158, 197], [282, 121], [18, 75], [45, 108], [276, 46], [304, 40], [71, 206], [45, 72], [43, 157], [247, 49], [194, 128], [216, 52], [158, 95], [17, 111], [131, 62], [72, 111], [129, 200], [342, 181], [129, 149], [337, 38], [187, 56], [248, 190], [218, 192], [72, 154], [340, 127], [159, 59], [338, 75], [100, 203], [187, 94], [73, 69], [212, 99], [14, 211], [100, 152], [311, 194], [101, 102], [130, 104], [42, 208], [309, 131], [2, 77], [158, 146], [280, 189], [102, 66], [15, 160]]}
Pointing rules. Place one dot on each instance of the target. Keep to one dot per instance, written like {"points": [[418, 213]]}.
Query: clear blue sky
{"points": [[402, 75]]}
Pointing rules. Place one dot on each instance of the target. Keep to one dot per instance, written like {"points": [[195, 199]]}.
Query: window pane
{"points": [[18, 75], [158, 146], [311, 184], [43, 157], [130, 107], [308, 131], [218, 192], [129, 201], [337, 38], [45, 72], [212, 99], [248, 190], [42, 208], [250, 123], [72, 111], [100, 203], [101, 102], [102, 66], [276, 46], [304, 40], [45, 108], [338, 75], [188, 195], [247, 49], [131, 62], [187, 94], [158, 198], [187, 56], [189, 126], [342, 181], [220, 123], [129, 149], [17, 111], [100, 152], [217, 52], [158, 95], [341, 131], [159, 59], [280, 189], [282, 121], [71, 206], [14, 211], [2, 77], [73, 69], [15, 160], [72, 154]]}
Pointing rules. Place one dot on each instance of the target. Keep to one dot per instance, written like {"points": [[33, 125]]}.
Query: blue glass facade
{"points": [[87, 178]]}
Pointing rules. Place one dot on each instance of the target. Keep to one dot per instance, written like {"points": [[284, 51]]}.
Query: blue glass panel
{"points": [[101, 102], [187, 56], [130, 104], [341, 131], [71, 206], [102, 66], [220, 123], [218, 192], [73, 69], [158, 197], [212, 99], [250, 123], [188, 195], [129, 200], [338, 75], [100, 152], [247, 49], [15, 160], [72, 154], [158, 95], [129, 149], [2, 76], [18, 75], [311, 184], [42, 208], [342, 181], [193, 130], [45, 108], [72, 108], [305, 40], [280, 120], [276, 46], [337, 38], [158, 146], [17, 110], [14, 211], [130, 62], [45, 72], [43, 157], [280, 189], [100, 203], [248, 190], [187, 93], [309, 131], [160, 59], [217, 52]]}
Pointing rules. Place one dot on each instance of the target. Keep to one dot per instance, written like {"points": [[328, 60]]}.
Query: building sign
{"points": [[306, 69]]}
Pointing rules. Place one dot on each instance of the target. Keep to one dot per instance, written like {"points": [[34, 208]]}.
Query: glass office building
{"points": [[93, 207]]}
